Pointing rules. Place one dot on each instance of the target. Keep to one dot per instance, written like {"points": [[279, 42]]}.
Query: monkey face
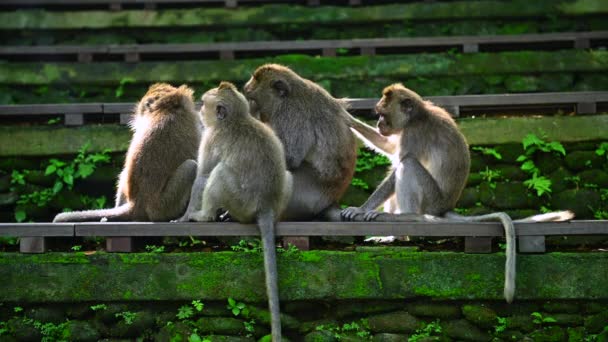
{"points": [[267, 89], [223, 104]]}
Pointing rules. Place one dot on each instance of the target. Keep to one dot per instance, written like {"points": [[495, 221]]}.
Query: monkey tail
{"points": [[507, 223], [266, 224], [122, 213], [554, 216]]}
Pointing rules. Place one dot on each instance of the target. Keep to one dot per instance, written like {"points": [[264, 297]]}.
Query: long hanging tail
{"points": [[507, 223], [266, 224], [122, 213]]}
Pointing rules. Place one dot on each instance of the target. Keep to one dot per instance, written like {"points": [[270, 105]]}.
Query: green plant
{"points": [[541, 184], [76, 248], [490, 176], [602, 149], [127, 316], [361, 330], [574, 180], [184, 312], [428, 330], [53, 121], [17, 309], [99, 307], [64, 173], [604, 194], [94, 202], [192, 242], [599, 214], [461, 211], [291, 250], [488, 151], [501, 325], [367, 160], [249, 327], [198, 305], [248, 246], [120, 90], [360, 183], [237, 308], [3, 328], [532, 144], [155, 249], [538, 318]]}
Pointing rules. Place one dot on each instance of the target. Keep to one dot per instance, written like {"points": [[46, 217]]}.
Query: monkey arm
{"points": [[383, 192], [372, 138]]}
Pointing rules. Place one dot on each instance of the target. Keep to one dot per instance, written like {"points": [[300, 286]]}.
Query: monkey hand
{"points": [[371, 215], [352, 214]]}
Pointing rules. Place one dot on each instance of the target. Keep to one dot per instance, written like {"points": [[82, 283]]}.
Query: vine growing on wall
{"points": [[64, 174], [533, 144]]}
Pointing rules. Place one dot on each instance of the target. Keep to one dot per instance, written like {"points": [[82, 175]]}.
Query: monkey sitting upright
{"points": [[242, 170], [160, 165], [431, 169], [320, 150]]}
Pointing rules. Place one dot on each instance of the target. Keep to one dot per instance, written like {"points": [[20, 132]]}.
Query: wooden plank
{"points": [[36, 229], [132, 57], [74, 119], [227, 55], [119, 244], [85, 57], [46, 109], [531, 244], [32, 245], [470, 48], [586, 108], [301, 242], [486, 229], [477, 244], [230, 3], [328, 52], [368, 51]]}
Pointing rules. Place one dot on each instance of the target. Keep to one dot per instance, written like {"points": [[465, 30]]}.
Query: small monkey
{"points": [[242, 167], [160, 165], [431, 168], [320, 150]]}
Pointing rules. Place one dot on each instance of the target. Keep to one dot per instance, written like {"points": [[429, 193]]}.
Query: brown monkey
{"points": [[431, 168], [320, 150], [160, 165], [242, 167]]}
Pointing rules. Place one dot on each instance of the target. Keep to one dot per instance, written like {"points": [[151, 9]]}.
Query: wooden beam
{"points": [[36, 229], [32, 245]]}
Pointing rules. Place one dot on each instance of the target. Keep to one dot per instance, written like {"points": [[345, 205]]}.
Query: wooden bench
{"points": [[478, 236], [329, 48], [580, 102], [147, 4]]}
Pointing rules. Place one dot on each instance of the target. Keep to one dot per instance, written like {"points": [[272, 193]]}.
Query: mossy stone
{"points": [[463, 330], [443, 310], [549, 334], [311, 326], [594, 176], [576, 334], [547, 162], [262, 316], [368, 307], [511, 172], [480, 315], [511, 195], [556, 82], [174, 331], [5, 182], [567, 319], [596, 323], [582, 146], [520, 322], [8, 164], [67, 199], [320, 336], [394, 322], [595, 307], [221, 326], [468, 198], [477, 163], [142, 321], [561, 307], [577, 200], [560, 180], [23, 331], [520, 84], [46, 315], [354, 196], [386, 337], [509, 152], [38, 177], [475, 178], [521, 213], [373, 177], [108, 315], [583, 160], [8, 198], [82, 331]]}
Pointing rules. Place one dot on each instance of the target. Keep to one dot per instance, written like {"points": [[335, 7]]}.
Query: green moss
{"points": [[139, 258]]}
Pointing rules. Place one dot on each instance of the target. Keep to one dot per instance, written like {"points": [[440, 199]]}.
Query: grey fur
{"points": [[160, 164], [320, 150], [242, 170]]}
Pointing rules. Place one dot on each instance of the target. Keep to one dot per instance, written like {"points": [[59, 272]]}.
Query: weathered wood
{"points": [[32, 245], [301, 242], [313, 2], [582, 43], [480, 230], [46, 109], [329, 52], [531, 244], [119, 244], [74, 120], [132, 57], [85, 57], [469, 43], [227, 55], [36, 229], [368, 51], [115, 6], [230, 3], [477, 244], [586, 108]]}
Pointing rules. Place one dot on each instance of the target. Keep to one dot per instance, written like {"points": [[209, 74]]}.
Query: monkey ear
{"points": [[407, 105], [221, 112], [281, 88]]}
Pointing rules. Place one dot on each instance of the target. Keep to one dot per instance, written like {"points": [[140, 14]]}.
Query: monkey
{"points": [[160, 164], [243, 170], [431, 168], [320, 149]]}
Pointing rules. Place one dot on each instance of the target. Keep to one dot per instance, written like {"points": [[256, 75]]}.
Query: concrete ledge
{"points": [[372, 273], [49, 140]]}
